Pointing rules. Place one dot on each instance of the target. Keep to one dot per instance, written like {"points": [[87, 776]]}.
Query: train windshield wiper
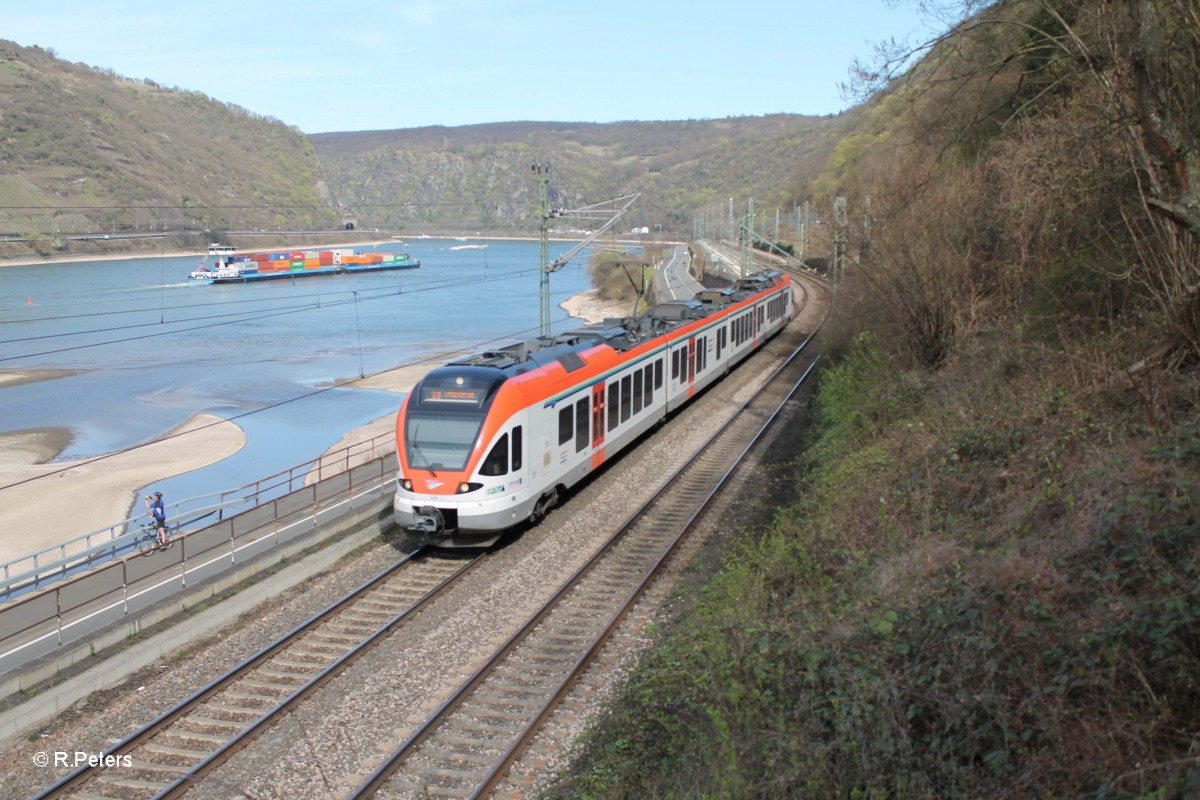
{"points": [[417, 449]]}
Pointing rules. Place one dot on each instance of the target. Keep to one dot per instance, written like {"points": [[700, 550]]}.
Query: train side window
{"points": [[566, 425], [648, 396], [626, 397], [674, 365], [496, 462], [516, 449], [658, 371], [581, 424], [637, 392], [614, 404]]}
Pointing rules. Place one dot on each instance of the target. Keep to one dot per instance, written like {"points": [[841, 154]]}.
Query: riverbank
{"points": [[25, 261], [18, 377], [44, 503], [32, 260]]}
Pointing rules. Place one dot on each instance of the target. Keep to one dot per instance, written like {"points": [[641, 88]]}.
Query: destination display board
{"points": [[451, 394]]}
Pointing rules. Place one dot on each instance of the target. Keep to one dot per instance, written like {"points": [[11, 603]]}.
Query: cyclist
{"points": [[154, 505]]}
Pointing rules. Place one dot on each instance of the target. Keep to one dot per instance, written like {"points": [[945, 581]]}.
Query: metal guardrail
{"points": [[42, 621], [38, 569]]}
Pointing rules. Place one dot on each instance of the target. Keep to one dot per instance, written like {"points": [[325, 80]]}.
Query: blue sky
{"points": [[345, 65]]}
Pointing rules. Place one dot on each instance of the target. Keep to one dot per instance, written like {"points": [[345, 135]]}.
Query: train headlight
{"points": [[464, 487], [406, 484]]}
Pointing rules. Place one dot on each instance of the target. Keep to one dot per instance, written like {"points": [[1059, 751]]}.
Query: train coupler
{"points": [[427, 520]]}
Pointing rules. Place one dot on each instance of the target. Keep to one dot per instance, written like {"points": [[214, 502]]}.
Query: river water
{"points": [[151, 350]]}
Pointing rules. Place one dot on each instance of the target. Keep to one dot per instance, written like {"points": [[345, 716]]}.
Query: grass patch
{"points": [[990, 586]]}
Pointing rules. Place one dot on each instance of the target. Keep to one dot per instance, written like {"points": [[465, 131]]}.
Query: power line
{"points": [[270, 406], [277, 313], [414, 280], [206, 207]]}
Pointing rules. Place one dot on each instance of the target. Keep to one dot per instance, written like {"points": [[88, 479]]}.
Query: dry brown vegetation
{"points": [[622, 277], [990, 585]]}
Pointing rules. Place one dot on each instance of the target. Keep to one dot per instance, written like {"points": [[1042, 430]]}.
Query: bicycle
{"points": [[147, 541]]}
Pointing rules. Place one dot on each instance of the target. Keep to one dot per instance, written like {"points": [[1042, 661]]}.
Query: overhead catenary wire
{"points": [[322, 390], [322, 301], [259, 296], [390, 292]]}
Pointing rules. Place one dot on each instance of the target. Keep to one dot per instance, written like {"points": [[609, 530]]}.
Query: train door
{"points": [[597, 424], [691, 367]]}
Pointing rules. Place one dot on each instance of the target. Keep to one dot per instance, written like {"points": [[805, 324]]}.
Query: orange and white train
{"points": [[492, 440]]}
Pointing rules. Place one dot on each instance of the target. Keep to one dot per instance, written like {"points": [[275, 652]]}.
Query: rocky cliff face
{"points": [[417, 189]]}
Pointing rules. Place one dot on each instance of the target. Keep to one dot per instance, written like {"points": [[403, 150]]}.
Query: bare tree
{"points": [[1003, 61], [924, 261]]}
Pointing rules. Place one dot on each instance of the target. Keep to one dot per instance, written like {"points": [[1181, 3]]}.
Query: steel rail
{"points": [[381, 774], [514, 752], [230, 677]]}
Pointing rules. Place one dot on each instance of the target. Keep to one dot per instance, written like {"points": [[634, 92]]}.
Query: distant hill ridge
{"points": [[83, 149]]}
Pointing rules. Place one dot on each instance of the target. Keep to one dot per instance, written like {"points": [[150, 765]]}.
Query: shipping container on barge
{"points": [[229, 267]]}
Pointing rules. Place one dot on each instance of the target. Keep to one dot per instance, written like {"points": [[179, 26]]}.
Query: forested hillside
{"points": [[477, 177], [83, 150], [984, 579]]}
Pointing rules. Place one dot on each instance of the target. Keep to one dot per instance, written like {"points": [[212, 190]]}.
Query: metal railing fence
{"points": [[89, 550], [45, 618]]}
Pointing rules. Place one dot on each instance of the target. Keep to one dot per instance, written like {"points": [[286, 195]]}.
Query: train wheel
{"points": [[543, 506]]}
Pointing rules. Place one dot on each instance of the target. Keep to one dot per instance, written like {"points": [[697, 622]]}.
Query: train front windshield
{"points": [[440, 440]]}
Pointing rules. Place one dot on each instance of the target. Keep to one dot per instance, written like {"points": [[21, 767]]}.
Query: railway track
{"points": [[466, 746], [164, 758], [470, 742]]}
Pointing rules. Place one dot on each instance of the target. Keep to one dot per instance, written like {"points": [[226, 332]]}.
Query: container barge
{"points": [[229, 267]]}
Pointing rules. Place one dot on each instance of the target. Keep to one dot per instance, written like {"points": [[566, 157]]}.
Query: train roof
{"points": [[620, 334]]}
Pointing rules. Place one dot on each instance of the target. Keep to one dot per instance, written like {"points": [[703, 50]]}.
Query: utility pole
{"points": [[746, 252], [864, 247], [587, 212], [541, 173], [804, 232], [840, 226]]}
